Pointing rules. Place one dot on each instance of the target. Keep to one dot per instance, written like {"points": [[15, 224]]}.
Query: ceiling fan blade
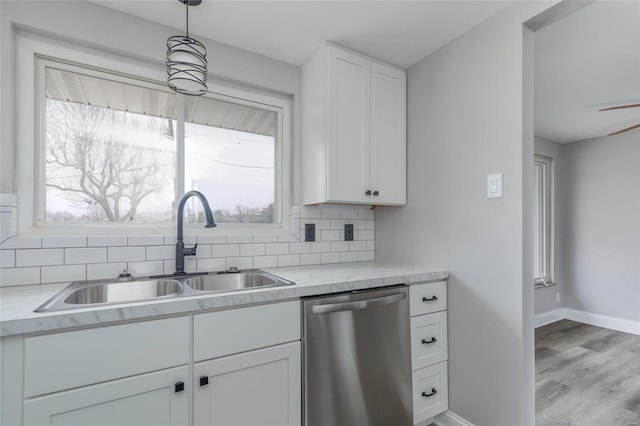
{"points": [[637, 126], [620, 107]]}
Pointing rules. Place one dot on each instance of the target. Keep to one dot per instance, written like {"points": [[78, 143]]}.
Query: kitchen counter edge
{"points": [[17, 303]]}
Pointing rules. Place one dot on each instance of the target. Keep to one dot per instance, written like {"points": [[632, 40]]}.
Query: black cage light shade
{"points": [[187, 61]]}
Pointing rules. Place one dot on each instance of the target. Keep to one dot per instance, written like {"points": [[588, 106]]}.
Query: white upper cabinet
{"points": [[353, 129]]}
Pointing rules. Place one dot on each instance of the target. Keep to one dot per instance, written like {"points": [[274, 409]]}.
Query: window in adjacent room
{"points": [[118, 149], [542, 219]]}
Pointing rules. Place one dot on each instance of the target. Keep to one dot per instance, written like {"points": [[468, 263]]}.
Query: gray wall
{"points": [[92, 25], [601, 226], [545, 297], [465, 120]]}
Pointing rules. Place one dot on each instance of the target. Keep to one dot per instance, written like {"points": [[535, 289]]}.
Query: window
{"points": [[542, 168], [118, 149]]}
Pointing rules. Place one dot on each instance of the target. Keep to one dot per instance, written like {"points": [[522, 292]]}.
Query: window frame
{"points": [[31, 62], [545, 217]]}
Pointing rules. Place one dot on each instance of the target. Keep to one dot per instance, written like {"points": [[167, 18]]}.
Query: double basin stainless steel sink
{"points": [[82, 294]]}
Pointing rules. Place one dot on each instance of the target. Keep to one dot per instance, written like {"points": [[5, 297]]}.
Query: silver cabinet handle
{"points": [[359, 305]]}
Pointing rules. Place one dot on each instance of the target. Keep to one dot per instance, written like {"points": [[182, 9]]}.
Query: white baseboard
{"points": [[604, 321], [549, 317], [449, 418], [618, 324]]}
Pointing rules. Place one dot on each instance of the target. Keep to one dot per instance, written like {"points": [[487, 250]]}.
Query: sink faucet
{"points": [[181, 251]]}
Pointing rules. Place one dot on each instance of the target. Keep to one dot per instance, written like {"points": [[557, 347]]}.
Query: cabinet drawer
{"points": [[430, 392], [238, 330], [428, 298], [143, 400], [66, 360], [428, 339]]}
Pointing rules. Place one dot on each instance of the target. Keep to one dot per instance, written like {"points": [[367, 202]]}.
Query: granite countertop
{"points": [[17, 303]]}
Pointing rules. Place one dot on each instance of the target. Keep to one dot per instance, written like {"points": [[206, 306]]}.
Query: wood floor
{"points": [[586, 376]]}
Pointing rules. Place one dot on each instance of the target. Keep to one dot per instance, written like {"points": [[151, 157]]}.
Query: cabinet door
{"points": [[388, 135], [258, 388], [145, 400], [348, 126]]}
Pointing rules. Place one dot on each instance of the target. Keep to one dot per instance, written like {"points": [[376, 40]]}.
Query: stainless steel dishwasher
{"points": [[357, 359]]}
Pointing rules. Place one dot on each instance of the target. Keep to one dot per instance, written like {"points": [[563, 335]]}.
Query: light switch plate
{"points": [[494, 186]]}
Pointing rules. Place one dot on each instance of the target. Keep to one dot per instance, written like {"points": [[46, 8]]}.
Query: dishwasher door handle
{"points": [[359, 305]]}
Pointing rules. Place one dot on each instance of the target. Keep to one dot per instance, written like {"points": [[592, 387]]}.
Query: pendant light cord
{"points": [[186, 3]]}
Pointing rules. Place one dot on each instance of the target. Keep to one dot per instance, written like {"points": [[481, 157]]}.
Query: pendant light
{"points": [[187, 61]]}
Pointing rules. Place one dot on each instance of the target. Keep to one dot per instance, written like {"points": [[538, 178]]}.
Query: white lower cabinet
{"points": [[430, 392], [257, 388], [429, 352], [146, 400]]}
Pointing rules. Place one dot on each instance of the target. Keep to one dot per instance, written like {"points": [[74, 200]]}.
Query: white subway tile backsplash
{"points": [[297, 229], [211, 264], [288, 238], [190, 265], [239, 239], [225, 250], [321, 224], [307, 212], [39, 257], [64, 273], [126, 254], [107, 240], [367, 214], [320, 247], [357, 245], [310, 259], [330, 257], [297, 248], [365, 256], [19, 276], [161, 252], [359, 224], [277, 248], [349, 213], [143, 269], [209, 239], [288, 260], [338, 225], [365, 235], [103, 271], [330, 235], [22, 243], [145, 240], [7, 258], [240, 262], [203, 251], [252, 250], [348, 257], [265, 261], [64, 241], [330, 213], [35, 259], [188, 240], [338, 246], [85, 255], [267, 238]]}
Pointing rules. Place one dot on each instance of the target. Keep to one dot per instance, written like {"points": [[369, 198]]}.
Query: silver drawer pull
{"points": [[426, 342], [427, 395], [431, 299]]}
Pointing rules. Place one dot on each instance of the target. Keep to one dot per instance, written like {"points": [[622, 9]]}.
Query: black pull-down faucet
{"points": [[181, 251]]}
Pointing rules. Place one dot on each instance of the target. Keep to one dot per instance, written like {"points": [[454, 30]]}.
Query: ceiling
{"points": [[398, 32], [584, 62]]}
